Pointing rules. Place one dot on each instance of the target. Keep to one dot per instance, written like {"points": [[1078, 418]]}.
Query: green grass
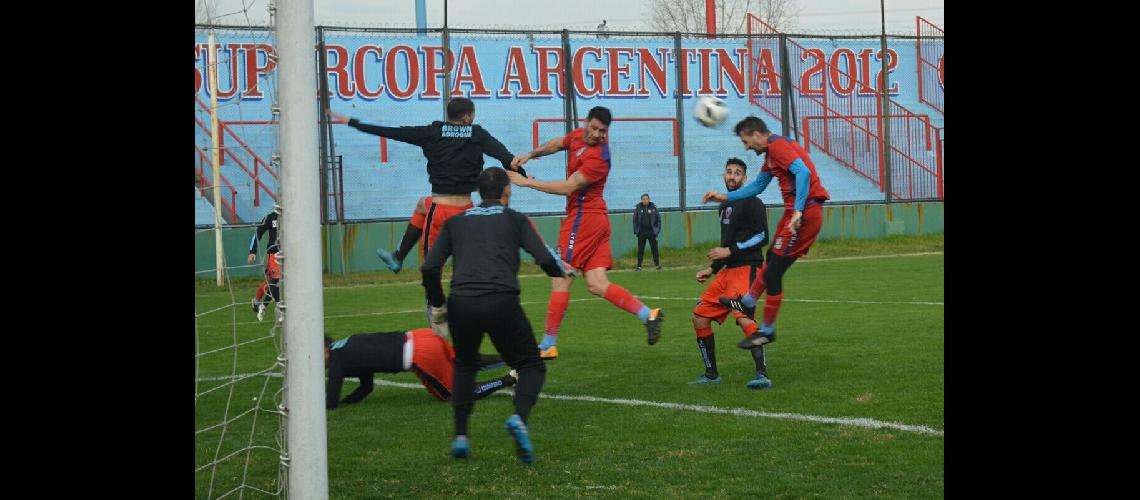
{"points": [[881, 360]]}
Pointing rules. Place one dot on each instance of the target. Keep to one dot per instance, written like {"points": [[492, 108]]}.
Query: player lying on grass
{"points": [[419, 351]]}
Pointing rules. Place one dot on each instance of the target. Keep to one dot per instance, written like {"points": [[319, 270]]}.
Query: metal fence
{"points": [[529, 86]]}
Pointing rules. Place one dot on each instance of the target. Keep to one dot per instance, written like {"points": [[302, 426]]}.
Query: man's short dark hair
{"points": [[737, 161], [750, 125], [328, 341], [492, 182], [644, 195], [601, 113], [459, 106]]}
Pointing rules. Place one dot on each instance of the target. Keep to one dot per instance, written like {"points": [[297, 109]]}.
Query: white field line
{"points": [[690, 299], [618, 271], [868, 423]]}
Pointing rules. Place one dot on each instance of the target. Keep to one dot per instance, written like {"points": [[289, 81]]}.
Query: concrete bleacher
{"points": [[203, 210]]}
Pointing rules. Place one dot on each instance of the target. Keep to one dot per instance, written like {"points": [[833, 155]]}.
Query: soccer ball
{"points": [[710, 111]]}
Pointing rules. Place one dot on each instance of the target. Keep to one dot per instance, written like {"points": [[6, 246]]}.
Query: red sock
{"points": [[772, 307], [757, 287], [622, 298], [555, 311], [750, 328], [703, 332], [260, 292]]}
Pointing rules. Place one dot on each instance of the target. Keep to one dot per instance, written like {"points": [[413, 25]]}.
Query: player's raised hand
{"points": [[520, 160], [703, 275], [714, 196], [337, 117]]}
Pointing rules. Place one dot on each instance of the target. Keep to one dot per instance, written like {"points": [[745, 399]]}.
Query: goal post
{"points": [[302, 303]]}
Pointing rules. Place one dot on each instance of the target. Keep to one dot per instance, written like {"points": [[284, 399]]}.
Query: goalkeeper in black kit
{"points": [[419, 351], [485, 242], [272, 267]]}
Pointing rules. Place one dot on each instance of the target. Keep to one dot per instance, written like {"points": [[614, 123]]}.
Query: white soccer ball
{"points": [[710, 111]]}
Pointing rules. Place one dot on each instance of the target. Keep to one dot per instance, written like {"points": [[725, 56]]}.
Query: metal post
{"points": [[323, 119], [570, 104], [447, 66], [679, 60], [786, 88], [215, 133], [786, 75], [886, 142], [307, 442]]}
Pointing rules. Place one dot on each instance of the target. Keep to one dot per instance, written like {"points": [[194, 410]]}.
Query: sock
{"points": [[771, 308], [260, 292], [760, 359], [484, 389], [707, 346], [749, 329], [548, 341], [555, 311], [621, 297], [411, 237], [749, 299], [527, 389], [274, 291]]}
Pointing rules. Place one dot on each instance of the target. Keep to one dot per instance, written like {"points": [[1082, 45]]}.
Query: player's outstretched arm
{"points": [[360, 392], [711, 196], [495, 149], [332, 389], [548, 148], [412, 135], [754, 188], [564, 187], [546, 258], [261, 229]]}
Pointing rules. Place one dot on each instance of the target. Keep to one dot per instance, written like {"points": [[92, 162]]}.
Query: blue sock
{"points": [[643, 314], [766, 329], [548, 340], [748, 301]]}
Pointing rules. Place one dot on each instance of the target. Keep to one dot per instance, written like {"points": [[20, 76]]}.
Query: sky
{"points": [[854, 16]]}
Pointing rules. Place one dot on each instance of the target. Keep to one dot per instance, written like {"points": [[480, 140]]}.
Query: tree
{"points": [[688, 16]]}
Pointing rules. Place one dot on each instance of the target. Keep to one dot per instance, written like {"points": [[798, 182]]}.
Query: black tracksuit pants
{"points": [[641, 239], [501, 317]]}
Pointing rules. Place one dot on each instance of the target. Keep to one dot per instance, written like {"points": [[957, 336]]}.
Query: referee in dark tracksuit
{"points": [[485, 241]]}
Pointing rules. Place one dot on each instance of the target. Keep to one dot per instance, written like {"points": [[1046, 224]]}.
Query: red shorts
{"points": [[272, 268], [585, 241], [436, 216], [728, 283], [796, 245], [433, 361]]}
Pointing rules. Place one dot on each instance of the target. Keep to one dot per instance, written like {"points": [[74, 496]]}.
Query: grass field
{"points": [[861, 336]]}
